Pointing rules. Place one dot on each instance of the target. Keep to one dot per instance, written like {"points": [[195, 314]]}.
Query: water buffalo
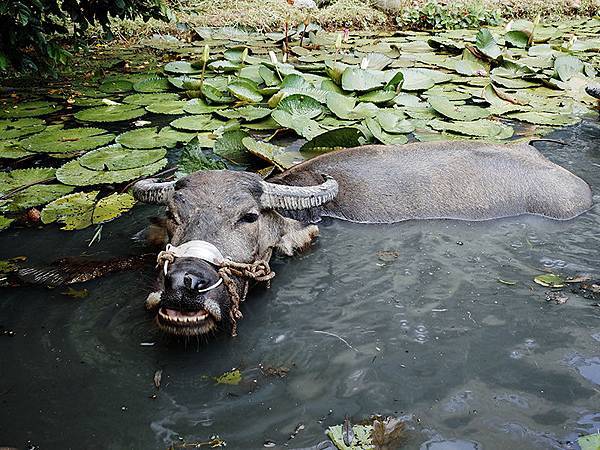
{"points": [[223, 225]]}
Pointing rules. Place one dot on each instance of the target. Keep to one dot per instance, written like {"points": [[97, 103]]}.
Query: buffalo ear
{"points": [[289, 235]]}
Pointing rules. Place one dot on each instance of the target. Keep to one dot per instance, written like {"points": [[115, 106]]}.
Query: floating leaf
{"points": [[28, 109], [302, 125], [152, 85], [550, 280], [230, 147], [589, 442], [421, 79], [383, 137], [199, 122], [116, 86], [361, 433], [110, 113], [24, 177], [12, 150], [35, 196], [233, 377], [567, 66], [300, 105], [74, 174], [249, 113], [245, 91], [14, 129], [345, 107], [478, 128], [198, 106], [457, 112], [393, 121], [214, 95], [5, 222], [486, 44], [173, 107], [334, 139], [60, 141], [116, 157], [148, 99], [273, 154], [517, 38], [143, 138], [378, 96], [192, 159], [545, 118], [356, 79], [80, 210], [181, 67]]}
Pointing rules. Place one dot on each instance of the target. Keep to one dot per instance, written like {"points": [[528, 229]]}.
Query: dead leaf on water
{"points": [[157, 378]]}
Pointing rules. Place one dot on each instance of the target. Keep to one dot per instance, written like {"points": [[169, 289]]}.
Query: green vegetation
{"points": [[31, 29], [434, 15]]}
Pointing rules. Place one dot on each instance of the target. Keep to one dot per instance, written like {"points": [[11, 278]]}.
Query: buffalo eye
{"points": [[248, 218]]}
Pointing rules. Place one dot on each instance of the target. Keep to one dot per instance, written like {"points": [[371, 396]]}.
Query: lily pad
{"points": [[60, 141], [81, 209], [300, 105], [148, 99], [550, 280], [116, 86], [14, 129], [545, 118], [173, 107], [198, 122], [567, 66], [245, 91], [273, 154], [393, 121], [198, 106], [180, 67], [383, 137], [486, 44], [110, 113], [378, 96], [193, 159], [24, 177], [457, 112], [422, 79], [145, 138], [12, 150], [116, 157], [152, 85], [334, 139], [74, 174], [248, 113], [214, 95], [233, 377], [357, 79], [230, 147], [479, 128], [303, 126], [28, 109], [346, 108], [589, 442], [36, 195]]}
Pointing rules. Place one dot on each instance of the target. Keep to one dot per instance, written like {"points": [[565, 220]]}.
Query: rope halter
{"points": [[259, 270]]}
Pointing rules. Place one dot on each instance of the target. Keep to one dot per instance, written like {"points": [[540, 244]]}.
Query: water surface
{"points": [[406, 320]]}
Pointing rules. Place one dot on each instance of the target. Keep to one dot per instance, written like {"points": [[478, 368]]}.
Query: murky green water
{"points": [[430, 335]]}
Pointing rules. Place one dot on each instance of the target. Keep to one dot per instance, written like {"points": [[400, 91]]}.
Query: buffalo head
{"points": [[237, 215]]}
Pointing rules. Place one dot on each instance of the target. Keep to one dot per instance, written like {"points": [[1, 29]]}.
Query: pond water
{"points": [[427, 333]]}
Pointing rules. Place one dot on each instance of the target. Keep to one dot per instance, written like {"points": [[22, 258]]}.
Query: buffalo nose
{"points": [[193, 282]]}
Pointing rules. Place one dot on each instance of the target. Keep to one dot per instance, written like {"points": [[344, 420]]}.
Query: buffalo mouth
{"points": [[185, 323]]}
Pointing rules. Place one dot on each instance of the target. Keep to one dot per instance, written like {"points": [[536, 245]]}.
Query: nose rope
{"points": [[258, 270]]}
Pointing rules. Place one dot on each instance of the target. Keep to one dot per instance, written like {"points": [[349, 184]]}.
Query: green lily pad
{"points": [[486, 44], [110, 113], [517, 38], [268, 76], [173, 107], [180, 67], [513, 83], [193, 159], [300, 105], [198, 122], [334, 139], [248, 113], [198, 106], [393, 121], [346, 108], [214, 95], [303, 126], [383, 137], [148, 99], [116, 86], [23, 177], [74, 174], [245, 91], [357, 79], [550, 280], [152, 85], [117, 157], [273, 154], [80, 210], [589, 442], [28, 109], [267, 124], [146, 138], [479, 128], [378, 96], [361, 441], [230, 147], [511, 69], [545, 118], [61, 141], [422, 79], [5, 222], [175, 136], [36, 195], [233, 377], [12, 150], [14, 129], [567, 66], [457, 112]]}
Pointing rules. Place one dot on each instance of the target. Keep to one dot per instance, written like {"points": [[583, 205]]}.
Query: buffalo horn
{"points": [[280, 196], [153, 191]]}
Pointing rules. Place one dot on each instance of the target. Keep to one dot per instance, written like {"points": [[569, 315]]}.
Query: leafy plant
{"points": [[449, 15], [31, 29]]}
